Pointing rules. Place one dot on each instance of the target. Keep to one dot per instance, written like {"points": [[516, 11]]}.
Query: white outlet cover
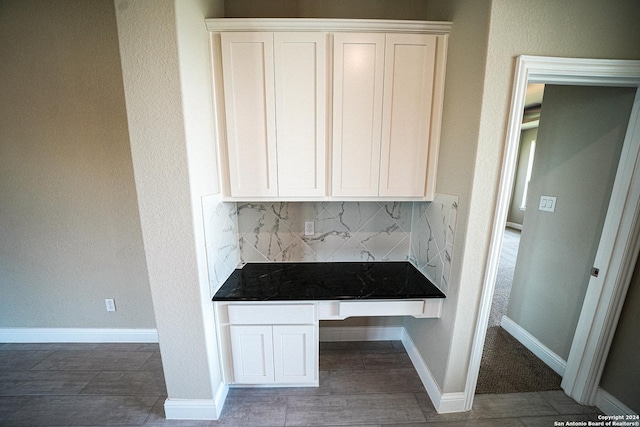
{"points": [[309, 228]]}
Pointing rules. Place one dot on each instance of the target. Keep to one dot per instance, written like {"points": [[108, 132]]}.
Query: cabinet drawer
{"points": [[381, 308], [271, 314]]}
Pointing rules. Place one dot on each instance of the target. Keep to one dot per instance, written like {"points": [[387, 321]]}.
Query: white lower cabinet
{"points": [[274, 344]]}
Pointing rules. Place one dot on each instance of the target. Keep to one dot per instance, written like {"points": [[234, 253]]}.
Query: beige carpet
{"points": [[507, 366]]}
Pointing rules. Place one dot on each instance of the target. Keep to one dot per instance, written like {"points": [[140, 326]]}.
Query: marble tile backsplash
{"points": [[344, 231], [421, 232], [221, 237], [432, 232]]}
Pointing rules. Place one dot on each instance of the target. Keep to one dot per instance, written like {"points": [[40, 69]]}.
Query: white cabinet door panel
{"points": [[252, 351], [295, 359], [357, 113], [408, 91], [300, 87], [250, 113]]}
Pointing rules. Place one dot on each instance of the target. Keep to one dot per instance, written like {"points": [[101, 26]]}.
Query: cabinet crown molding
{"points": [[328, 25]]}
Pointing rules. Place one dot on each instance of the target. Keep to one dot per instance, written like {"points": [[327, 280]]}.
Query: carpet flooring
{"points": [[507, 366]]}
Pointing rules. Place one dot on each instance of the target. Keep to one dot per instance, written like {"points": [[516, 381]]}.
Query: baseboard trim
{"points": [[514, 225], [551, 359], [443, 402], [362, 333], [191, 409], [77, 335], [610, 405]]}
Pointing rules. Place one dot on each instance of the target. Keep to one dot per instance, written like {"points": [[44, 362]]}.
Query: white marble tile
{"points": [[329, 235], [352, 251], [271, 235], [295, 214], [249, 214], [353, 215], [297, 251], [248, 253], [401, 212], [380, 234], [437, 218], [400, 252]]}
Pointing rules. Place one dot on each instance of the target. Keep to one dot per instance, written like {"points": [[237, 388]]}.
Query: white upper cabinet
{"points": [[275, 104], [406, 119], [329, 109], [247, 62], [358, 77], [301, 80]]}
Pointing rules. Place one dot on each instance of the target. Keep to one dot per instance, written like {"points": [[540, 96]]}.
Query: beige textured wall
{"points": [[69, 222], [581, 133], [361, 9], [169, 151]]}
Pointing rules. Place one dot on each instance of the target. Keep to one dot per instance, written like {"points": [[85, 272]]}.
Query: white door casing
{"points": [[619, 246]]}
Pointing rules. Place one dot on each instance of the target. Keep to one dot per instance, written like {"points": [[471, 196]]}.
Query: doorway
{"points": [[578, 145], [618, 248]]}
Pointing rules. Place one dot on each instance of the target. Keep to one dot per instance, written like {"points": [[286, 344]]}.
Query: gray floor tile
{"points": [[566, 405], [549, 420], [127, 384], [376, 360], [10, 405], [83, 410], [16, 360], [496, 422], [356, 345], [510, 405], [94, 360], [373, 381], [128, 347], [340, 360], [48, 346], [17, 383], [154, 363], [353, 409], [253, 411]]}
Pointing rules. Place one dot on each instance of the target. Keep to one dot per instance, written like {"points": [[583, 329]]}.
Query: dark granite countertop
{"points": [[326, 281]]}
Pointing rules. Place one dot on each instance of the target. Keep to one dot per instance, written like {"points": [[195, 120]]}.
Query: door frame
{"points": [[605, 294]]}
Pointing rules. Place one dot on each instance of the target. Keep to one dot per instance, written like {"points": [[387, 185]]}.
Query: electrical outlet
{"points": [[110, 303], [309, 228]]}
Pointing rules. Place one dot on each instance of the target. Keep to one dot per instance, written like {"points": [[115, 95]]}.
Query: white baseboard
{"points": [[551, 359], [514, 225], [362, 333], [443, 402], [610, 405], [77, 335], [191, 409]]}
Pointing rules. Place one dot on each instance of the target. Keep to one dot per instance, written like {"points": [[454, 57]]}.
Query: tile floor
{"points": [[366, 384]]}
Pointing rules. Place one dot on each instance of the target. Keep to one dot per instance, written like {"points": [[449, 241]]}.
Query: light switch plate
{"points": [[547, 203]]}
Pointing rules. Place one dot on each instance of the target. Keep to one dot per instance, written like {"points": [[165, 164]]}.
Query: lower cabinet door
{"points": [[252, 349], [294, 353]]}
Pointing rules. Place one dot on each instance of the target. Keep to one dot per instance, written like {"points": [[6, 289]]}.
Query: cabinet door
{"points": [[408, 92], [300, 87], [357, 113], [295, 353], [247, 67], [252, 350]]}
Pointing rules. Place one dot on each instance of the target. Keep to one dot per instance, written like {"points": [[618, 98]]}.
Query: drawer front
{"points": [[271, 314], [381, 308]]}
